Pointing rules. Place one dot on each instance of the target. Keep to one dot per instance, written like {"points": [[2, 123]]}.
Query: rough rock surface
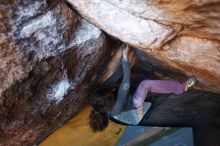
{"points": [[196, 109], [175, 35], [48, 59]]}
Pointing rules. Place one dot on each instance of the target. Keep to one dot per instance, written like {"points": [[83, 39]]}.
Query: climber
{"points": [[104, 105], [102, 100]]}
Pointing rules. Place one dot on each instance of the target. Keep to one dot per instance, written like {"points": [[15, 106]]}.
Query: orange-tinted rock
{"points": [[181, 36], [191, 56]]}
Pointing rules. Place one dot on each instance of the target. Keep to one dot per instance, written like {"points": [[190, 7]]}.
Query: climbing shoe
{"points": [[190, 82]]}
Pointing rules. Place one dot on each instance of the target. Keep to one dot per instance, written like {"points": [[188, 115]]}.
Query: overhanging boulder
{"points": [[181, 36]]}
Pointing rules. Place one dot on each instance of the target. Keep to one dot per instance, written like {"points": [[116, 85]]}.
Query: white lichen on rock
{"points": [[29, 9], [59, 89], [86, 32], [45, 21], [47, 34]]}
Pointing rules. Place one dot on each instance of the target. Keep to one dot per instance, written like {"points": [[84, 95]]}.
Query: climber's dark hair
{"points": [[102, 101], [98, 121]]}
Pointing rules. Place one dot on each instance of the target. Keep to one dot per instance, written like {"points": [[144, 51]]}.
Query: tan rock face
{"points": [[191, 56], [122, 24], [179, 36], [195, 53]]}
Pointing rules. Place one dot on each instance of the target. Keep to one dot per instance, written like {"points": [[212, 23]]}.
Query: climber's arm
{"points": [[124, 86]]}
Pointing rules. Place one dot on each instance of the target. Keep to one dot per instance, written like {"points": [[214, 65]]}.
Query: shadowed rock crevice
{"points": [[196, 109]]}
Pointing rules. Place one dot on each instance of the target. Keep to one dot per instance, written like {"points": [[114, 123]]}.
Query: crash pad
{"points": [[76, 132]]}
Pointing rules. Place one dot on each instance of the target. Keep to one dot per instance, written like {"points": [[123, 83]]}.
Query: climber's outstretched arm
{"points": [[124, 86]]}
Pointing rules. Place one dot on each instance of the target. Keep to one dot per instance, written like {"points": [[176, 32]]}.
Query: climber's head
{"points": [[102, 101]]}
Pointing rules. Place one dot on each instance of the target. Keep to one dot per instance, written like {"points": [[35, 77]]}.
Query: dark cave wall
{"points": [[48, 65]]}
